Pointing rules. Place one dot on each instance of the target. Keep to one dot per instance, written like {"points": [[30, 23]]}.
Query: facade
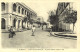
{"points": [[62, 11], [16, 15]]}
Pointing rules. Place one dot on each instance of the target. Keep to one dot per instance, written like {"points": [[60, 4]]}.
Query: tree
{"points": [[71, 18], [53, 19]]}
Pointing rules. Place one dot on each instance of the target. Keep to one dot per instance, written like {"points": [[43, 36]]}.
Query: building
{"points": [[16, 15], [62, 11]]}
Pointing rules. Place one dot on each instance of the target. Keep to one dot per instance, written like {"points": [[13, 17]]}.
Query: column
{"points": [[11, 21], [20, 24], [16, 24], [6, 23], [10, 7], [8, 20], [20, 10], [17, 8], [26, 24]]}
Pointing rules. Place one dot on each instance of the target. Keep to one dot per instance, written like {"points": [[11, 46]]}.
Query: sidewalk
{"points": [[6, 31], [65, 34]]}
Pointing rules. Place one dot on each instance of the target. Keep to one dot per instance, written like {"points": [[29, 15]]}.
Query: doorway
{"points": [[3, 23]]}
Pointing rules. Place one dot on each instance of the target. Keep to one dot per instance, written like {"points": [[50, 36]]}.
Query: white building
{"points": [[16, 15]]}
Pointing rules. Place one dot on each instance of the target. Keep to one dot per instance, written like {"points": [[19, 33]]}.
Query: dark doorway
{"points": [[3, 23], [14, 23]]}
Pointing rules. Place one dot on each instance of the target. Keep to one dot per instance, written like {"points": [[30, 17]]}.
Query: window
{"points": [[14, 7], [22, 11], [3, 22], [19, 9], [28, 14], [3, 6], [25, 12]]}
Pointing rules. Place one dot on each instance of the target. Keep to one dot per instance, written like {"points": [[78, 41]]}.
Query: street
{"points": [[40, 40]]}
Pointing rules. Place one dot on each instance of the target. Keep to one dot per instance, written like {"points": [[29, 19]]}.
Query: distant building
{"points": [[16, 15], [61, 12]]}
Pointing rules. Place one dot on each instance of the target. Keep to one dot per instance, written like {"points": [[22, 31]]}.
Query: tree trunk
{"points": [[73, 27], [27, 24]]}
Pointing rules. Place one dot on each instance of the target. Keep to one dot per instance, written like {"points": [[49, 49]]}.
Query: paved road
{"points": [[40, 40]]}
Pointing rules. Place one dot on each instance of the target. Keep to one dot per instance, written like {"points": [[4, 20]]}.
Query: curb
{"points": [[66, 35]]}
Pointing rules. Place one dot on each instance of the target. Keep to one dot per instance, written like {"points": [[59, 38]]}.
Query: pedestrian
{"points": [[42, 27], [33, 30], [50, 31], [12, 32]]}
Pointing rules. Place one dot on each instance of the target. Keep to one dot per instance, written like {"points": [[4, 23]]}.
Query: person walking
{"points": [[50, 30], [33, 30], [12, 32], [42, 27]]}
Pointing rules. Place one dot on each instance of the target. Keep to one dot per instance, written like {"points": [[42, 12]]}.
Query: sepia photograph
{"points": [[39, 24]]}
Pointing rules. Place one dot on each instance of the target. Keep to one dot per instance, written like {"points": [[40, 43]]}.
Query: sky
{"points": [[42, 7]]}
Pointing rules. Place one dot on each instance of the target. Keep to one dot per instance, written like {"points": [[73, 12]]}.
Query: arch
{"points": [[19, 9], [14, 7], [3, 23], [14, 23], [2, 6]]}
